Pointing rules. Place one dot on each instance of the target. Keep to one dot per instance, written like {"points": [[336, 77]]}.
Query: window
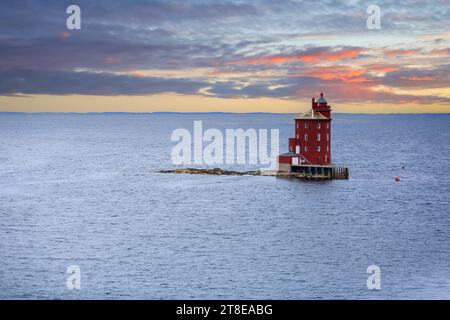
{"points": [[306, 125], [318, 125], [318, 137], [306, 137], [328, 137], [306, 148], [298, 136], [328, 126], [318, 148], [328, 148]]}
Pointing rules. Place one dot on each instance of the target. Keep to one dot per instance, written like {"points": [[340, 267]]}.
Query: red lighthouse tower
{"points": [[310, 148]]}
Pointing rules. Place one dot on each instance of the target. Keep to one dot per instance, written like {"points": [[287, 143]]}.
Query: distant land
{"points": [[193, 113]]}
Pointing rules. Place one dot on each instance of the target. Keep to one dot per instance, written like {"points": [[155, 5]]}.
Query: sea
{"points": [[83, 192]]}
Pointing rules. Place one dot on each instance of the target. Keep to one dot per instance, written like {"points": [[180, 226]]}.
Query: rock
{"points": [[223, 172], [212, 171]]}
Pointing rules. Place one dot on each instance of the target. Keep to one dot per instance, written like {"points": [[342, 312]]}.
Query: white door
{"points": [[297, 149], [294, 161]]}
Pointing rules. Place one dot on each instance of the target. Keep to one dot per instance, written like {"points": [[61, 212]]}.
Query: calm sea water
{"points": [[82, 190]]}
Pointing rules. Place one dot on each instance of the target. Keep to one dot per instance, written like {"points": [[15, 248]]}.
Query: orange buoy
{"points": [[397, 178]]}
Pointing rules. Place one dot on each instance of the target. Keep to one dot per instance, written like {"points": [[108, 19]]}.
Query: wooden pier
{"points": [[327, 172]]}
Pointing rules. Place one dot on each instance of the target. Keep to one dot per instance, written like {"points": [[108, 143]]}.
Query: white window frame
{"points": [[318, 125], [306, 137], [318, 136], [318, 148], [306, 148], [306, 125]]}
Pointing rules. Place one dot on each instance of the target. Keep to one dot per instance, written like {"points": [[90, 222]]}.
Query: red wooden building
{"points": [[310, 148]]}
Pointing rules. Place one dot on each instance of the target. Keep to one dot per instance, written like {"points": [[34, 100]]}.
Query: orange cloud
{"points": [[381, 68], [64, 35], [343, 73], [439, 52], [137, 74], [418, 78], [264, 60], [401, 52], [331, 55], [111, 60], [310, 56]]}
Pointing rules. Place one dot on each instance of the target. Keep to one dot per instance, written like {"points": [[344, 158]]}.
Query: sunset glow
{"points": [[230, 56]]}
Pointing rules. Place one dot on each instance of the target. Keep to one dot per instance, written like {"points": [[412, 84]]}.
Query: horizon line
{"points": [[216, 112]]}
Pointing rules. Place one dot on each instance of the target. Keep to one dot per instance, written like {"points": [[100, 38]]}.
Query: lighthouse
{"points": [[310, 149]]}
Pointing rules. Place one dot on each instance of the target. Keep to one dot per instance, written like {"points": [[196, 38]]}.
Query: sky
{"points": [[228, 56]]}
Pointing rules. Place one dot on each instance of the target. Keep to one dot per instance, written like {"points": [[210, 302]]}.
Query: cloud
{"points": [[106, 54], [63, 35], [17, 81], [423, 78], [281, 49], [342, 83], [311, 55], [402, 52], [344, 73], [382, 68], [438, 77], [440, 52]]}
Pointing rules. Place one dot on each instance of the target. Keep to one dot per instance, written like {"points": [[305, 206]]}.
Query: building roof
{"points": [[311, 114], [289, 154]]}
